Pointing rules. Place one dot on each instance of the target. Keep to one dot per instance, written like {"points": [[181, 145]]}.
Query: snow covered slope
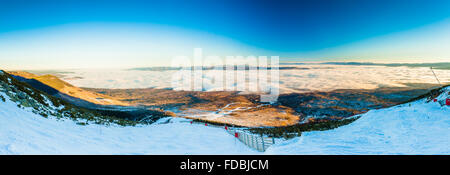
{"points": [[32, 122], [420, 127], [24, 132]]}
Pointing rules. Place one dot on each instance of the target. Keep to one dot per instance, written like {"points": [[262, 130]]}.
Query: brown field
{"points": [[242, 110], [246, 110]]}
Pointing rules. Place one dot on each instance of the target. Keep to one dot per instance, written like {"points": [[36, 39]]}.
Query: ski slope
{"points": [[23, 132], [419, 127]]}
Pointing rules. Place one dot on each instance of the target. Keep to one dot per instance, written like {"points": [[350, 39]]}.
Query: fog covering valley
{"points": [[295, 78]]}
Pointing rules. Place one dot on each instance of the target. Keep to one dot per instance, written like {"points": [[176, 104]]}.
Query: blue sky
{"points": [[131, 33]]}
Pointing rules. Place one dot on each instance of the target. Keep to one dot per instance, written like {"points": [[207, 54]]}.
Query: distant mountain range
{"points": [[444, 65], [212, 68], [285, 66]]}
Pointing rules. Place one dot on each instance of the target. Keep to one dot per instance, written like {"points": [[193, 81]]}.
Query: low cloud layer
{"points": [[302, 78]]}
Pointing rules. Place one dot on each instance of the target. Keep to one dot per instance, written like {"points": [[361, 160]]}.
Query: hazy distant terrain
{"points": [[304, 78], [434, 65]]}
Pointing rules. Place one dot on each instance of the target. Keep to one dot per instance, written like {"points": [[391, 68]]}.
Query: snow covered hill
{"points": [[31, 122], [24, 132], [420, 127]]}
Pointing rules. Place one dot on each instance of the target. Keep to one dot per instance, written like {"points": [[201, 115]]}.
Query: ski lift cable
{"points": [[436, 77]]}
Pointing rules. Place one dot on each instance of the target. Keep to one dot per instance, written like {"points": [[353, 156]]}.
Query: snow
{"points": [[419, 127], [23, 132]]}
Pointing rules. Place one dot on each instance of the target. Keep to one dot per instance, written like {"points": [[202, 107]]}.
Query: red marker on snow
{"points": [[447, 102], [206, 124], [226, 127], [191, 122], [434, 100], [236, 134]]}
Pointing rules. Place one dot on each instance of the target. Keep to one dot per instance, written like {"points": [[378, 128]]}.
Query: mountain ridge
{"points": [[44, 104], [66, 89]]}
